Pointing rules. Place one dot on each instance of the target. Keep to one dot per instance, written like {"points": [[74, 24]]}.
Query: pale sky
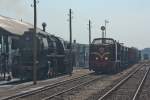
{"points": [[129, 19]]}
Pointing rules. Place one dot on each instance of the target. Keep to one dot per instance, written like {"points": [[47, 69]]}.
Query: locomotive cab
{"points": [[102, 49], [102, 54]]}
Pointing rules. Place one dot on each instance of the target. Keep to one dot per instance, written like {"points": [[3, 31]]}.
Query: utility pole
{"points": [[70, 27], [70, 51], [105, 28], [35, 46], [89, 31]]}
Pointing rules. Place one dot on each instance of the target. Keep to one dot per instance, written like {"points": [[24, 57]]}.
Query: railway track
{"points": [[50, 91], [144, 93], [130, 87]]}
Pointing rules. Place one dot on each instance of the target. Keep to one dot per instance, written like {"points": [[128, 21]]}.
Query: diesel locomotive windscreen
{"points": [[104, 41]]}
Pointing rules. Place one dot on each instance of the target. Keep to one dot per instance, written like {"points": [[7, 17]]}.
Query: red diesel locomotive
{"points": [[110, 56]]}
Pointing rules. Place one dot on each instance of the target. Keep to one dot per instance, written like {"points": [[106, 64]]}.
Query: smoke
{"points": [[18, 7]]}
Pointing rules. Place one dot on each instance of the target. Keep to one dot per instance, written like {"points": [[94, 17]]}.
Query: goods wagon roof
{"points": [[16, 27]]}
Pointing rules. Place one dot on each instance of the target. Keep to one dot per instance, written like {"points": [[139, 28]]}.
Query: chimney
{"points": [[44, 26]]}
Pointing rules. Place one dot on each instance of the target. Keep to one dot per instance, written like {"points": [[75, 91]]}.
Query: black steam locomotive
{"points": [[109, 56], [53, 56]]}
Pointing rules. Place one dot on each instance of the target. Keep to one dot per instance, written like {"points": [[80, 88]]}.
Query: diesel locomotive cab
{"points": [[102, 54]]}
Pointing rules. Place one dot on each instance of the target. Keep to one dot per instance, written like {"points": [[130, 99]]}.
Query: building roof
{"points": [[16, 27]]}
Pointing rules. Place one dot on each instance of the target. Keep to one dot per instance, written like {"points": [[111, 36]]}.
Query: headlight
{"points": [[106, 58], [96, 58]]}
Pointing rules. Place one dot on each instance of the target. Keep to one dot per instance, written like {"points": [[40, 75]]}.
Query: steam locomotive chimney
{"points": [[44, 26]]}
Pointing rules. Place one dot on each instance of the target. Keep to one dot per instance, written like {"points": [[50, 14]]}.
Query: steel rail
{"points": [[141, 84], [32, 92], [59, 93], [119, 84]]}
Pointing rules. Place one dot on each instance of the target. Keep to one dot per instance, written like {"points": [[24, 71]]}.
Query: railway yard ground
{"points": [[6, 90], [83, 85]]}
